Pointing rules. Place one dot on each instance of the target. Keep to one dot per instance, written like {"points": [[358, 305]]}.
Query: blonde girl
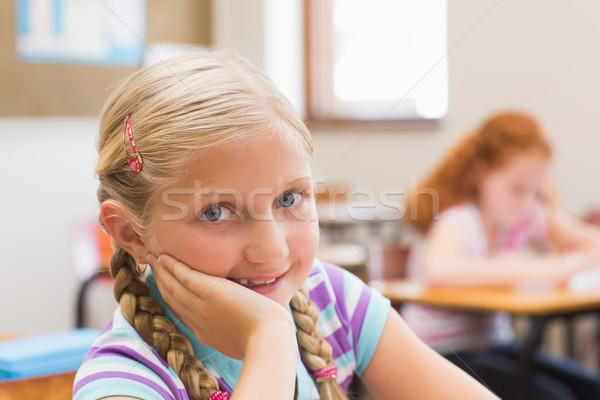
{"points": [[206, 189], [496, 224]]}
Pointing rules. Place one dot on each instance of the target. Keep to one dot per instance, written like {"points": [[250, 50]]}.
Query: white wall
{"points": [[537, 55], [47, 188]]}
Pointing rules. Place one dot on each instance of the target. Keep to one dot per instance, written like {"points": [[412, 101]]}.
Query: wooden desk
{"points": [[540, 305], [514, 301], [51, 387]]}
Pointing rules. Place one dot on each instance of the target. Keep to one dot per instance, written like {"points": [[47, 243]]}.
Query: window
{"points": [[376, 60]]}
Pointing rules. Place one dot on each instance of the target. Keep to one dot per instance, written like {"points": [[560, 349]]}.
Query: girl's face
{"points": [[509, 193], [246, 212]]}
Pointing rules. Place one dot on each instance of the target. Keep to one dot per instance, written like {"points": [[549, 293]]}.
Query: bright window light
{"points": [[388, 61]]}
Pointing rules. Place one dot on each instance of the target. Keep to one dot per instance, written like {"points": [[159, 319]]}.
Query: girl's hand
{"points": [[567, 265], [552, 270], [222, 314]]}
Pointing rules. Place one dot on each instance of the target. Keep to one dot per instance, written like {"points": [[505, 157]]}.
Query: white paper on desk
{"points": [[583, 280]]}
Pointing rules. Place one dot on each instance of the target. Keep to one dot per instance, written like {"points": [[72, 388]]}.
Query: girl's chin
{"points": [[280, 299]]}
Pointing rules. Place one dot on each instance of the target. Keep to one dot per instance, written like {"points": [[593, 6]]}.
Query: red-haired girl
{"points": [[493, 225]]}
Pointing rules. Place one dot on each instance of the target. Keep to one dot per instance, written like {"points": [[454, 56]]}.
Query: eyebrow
{"points": [[298, 179], [225, 192]]}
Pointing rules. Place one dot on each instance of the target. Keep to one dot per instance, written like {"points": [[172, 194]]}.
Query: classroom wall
{"points": [[47, 191], [536, 55]]}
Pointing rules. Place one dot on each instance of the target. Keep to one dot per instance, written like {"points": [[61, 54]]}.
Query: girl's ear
{"points": [[116, 221]]}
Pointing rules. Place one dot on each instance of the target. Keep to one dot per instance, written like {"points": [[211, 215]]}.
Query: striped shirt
{"points": [[448, 331], [120, 363]]}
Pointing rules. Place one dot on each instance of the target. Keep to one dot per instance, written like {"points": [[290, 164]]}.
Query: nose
{"points": [[268, 242]]}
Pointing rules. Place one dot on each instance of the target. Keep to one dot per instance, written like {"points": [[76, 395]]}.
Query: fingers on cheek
{"points": [[166, 283], [182, 274], [172, 301]]}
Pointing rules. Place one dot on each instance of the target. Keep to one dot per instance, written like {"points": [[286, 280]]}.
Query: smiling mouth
{"points": [[248, 282]]}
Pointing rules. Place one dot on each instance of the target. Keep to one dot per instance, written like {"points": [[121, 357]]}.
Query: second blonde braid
{"points": [[315, 351]]}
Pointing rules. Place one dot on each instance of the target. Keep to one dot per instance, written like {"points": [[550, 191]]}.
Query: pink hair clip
{"points": [[218, 395], [326, 374], [134, 163]]}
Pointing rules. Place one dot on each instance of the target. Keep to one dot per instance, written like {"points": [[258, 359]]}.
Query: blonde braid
{"points": [[315, 351], [144, 314]]}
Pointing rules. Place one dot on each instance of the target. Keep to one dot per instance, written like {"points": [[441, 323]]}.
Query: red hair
{"points": [[455, 180]]}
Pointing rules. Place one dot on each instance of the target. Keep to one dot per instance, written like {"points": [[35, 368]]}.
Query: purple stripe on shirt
{"points": [[339, 343], [345, 383], [108, 327], [224, 387], [336, 276], [360, 312], [320, 295], [123, 375], [338, 338], [120, 350]]}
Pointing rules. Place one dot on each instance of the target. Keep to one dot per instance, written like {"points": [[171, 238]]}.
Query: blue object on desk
{"points": [[49, 354]]}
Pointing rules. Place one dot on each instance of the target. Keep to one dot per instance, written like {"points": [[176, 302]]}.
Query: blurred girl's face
{"points": [[509, 193]]}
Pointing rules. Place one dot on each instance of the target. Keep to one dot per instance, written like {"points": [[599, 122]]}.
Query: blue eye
{"points": [[289, 199], [215, 213]]}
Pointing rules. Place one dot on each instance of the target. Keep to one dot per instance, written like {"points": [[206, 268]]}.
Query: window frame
{"points": [[318, 44]]}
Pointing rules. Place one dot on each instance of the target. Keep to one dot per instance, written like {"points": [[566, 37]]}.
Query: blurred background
{"points": [[383, 92]]}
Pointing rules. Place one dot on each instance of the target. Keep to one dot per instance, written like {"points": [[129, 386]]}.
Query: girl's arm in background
{"points": [[445, 261], [572, 234]]}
